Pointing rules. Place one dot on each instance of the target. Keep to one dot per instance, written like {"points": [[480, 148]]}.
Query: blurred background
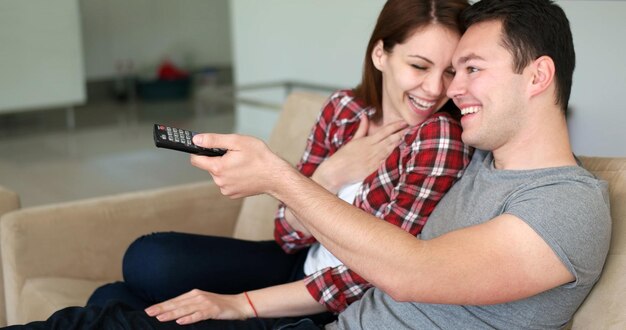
{"points": [[82, 81]]}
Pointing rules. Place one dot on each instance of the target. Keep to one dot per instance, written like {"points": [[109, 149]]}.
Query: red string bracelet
{"points": [[251, 304]]}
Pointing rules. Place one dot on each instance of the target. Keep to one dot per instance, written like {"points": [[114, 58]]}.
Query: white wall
{"points": [[598, 118], [323, 41], [194, 33], [317, 41], [41, 58], [49, 49]]}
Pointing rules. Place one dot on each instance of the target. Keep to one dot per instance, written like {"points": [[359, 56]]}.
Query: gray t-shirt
{"points": [[566, 206]]}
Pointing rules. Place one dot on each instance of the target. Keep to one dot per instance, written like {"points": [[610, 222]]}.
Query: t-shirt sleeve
{"points": [[581, 212]]}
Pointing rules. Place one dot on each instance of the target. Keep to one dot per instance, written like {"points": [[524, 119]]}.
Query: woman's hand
{"points": [[354, 161], [360, 157], [197, 305], [290, 299]]}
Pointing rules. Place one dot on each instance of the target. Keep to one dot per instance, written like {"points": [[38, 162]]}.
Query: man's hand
{"points": [[248, 168]]}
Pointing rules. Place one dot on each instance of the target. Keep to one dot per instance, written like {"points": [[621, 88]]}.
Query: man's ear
{"points": [[542, 75], [379, 55]]}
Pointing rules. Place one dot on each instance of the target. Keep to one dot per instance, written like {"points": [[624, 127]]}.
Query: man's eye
{"points": [[471, 69], [450, 72]]}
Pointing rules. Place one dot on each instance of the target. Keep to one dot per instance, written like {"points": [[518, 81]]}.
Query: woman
{"points": [[383, 146]]}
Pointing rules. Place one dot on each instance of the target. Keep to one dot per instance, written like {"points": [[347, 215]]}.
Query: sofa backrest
{"points": [[288, 140], [605, 307], [9, 200]]}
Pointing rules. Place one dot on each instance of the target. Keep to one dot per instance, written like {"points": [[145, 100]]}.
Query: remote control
{"points": [[180, 139]]}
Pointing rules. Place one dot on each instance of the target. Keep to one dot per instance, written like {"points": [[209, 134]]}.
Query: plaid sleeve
{"points": [[403, 195], [336, 288], [323, 141], [428, 168]]}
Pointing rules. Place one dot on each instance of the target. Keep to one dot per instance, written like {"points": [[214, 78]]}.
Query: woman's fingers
{"points": [[189, 311], [197, 305], [184, 305], [363, 127]]}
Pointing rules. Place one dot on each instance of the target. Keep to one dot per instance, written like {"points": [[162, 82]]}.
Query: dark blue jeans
{"points": [[161, 266]]}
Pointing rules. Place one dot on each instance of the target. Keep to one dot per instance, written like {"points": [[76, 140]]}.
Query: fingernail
{"points": [[197, 139], [149, 311]]}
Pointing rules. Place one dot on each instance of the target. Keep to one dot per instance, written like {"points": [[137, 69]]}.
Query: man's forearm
{"points": [[294, 223], [360, 240]]}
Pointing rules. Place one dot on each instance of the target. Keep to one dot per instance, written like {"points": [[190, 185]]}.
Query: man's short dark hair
{"points": [[531, 29]]}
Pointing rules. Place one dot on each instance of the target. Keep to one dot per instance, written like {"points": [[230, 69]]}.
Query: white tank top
{"points": [[318, 256]]}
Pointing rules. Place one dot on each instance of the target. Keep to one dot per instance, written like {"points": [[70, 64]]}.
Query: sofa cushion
{"points": [[42, 296]]}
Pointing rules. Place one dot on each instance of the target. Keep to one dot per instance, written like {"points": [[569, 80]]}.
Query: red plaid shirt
{"points": [[403, 191]]}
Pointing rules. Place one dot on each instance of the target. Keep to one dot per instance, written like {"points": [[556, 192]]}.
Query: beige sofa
{"points": [[9, 201], [54, 256]]}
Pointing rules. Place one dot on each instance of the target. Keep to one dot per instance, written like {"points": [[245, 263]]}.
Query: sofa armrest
{"points": [[86, 239]]}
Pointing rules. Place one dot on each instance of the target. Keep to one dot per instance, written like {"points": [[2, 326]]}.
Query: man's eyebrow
{"points": [[423, 58], [465, 59]]}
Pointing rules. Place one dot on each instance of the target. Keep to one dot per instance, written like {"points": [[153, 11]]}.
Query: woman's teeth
{"points": [[421, 104], [468, 110]]}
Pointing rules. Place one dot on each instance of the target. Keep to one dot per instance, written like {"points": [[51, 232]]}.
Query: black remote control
{"points": [[180, 139]]}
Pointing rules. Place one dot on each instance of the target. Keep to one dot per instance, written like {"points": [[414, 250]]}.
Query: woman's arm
{"points": [[290, 235], [352, 162], [339, 151], [433, 159], [291, 299]]}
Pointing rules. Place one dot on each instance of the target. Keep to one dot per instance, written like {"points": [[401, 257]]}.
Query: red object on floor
{"points": [[169, 71]]}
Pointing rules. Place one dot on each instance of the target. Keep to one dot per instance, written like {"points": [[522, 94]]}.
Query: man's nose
{"points": [[457, 86]]}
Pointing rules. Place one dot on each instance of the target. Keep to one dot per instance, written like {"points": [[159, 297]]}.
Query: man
{"points": [[512, 245], [519, 240]]}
